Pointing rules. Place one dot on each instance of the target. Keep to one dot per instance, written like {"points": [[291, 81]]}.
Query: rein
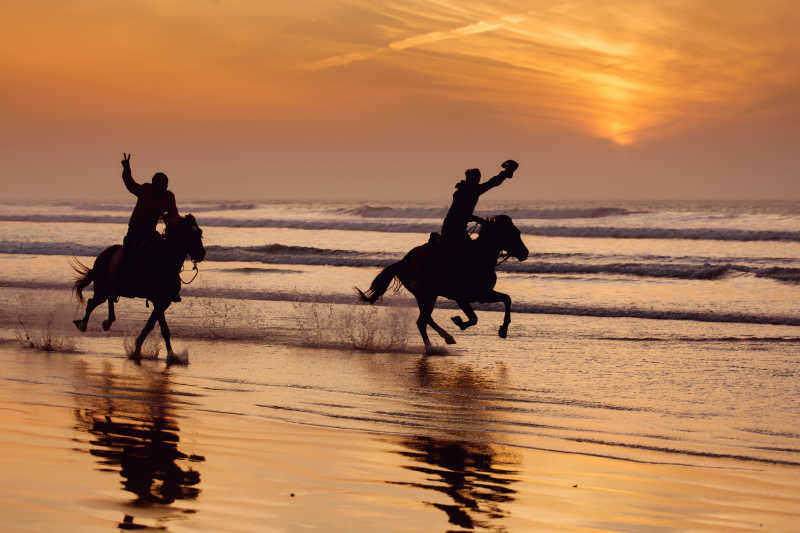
{"points": [[502, 258], [196, 272]]}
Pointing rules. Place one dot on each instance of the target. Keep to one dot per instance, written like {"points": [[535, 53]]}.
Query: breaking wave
{"points": [[519, 307], [200, 207], [281, 254], [403, 226], [370, 211]]}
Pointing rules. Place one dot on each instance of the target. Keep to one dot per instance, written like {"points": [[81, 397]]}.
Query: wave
{"points": [[719, 234], [370, 211], [651, 270], [257, 270], [298, 255], [48, 248], [728, 339], [519, 307], [713, 234], [199, 207], [791, 275], [657, 314], [308, 255]]}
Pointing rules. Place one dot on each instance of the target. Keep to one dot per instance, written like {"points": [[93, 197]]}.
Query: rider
{"points": [[454, 228], [153, 202]]}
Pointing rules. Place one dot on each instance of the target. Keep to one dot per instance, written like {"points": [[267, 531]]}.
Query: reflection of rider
{"points": [[454, 228], [153, 202], [136, 435]]}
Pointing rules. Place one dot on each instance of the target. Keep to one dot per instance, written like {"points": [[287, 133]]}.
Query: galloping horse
{"points": [[465, 276], [156, 281]]}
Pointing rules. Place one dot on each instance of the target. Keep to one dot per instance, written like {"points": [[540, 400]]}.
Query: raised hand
{"points": [[126, 160], [510, 165]]}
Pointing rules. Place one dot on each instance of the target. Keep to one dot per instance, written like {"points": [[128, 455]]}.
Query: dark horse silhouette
{"points": [[155, 278], [466, 275]]}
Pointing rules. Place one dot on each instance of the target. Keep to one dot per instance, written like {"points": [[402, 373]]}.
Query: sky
{"points": [[335, 99]]}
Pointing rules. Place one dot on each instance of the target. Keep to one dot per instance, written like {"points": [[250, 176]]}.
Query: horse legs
{"points": [[472, 318], [426, 305], [111, 316], [495, 296], [440, 330], [422, 321], [162, 322], [93, 302], [158, 310]]}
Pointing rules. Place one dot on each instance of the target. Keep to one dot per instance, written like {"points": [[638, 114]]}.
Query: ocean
{"points": [[661, 333]]}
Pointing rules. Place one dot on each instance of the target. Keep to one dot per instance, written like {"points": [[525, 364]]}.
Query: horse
{"points": [[158, 278], [465, 274]]}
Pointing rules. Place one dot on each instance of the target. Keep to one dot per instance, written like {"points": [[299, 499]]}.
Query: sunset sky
{"points": [[381, 100]]}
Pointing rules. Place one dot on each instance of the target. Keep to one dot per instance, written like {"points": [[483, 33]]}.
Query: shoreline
{"points": [[91, 439]]}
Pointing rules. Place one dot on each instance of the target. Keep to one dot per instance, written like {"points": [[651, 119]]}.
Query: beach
{"points": [[259, 437], [649, 381]]}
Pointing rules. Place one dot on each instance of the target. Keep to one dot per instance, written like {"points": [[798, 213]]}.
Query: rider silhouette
{"points": [[468, 190], [153, 202]]}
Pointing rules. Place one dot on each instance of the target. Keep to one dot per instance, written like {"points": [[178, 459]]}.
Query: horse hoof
{"points": [[80, 325], [459, 322], [503, 332], [106, 325]]}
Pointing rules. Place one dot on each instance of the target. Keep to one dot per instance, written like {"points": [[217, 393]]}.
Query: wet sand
{"points": [[260, 437]]}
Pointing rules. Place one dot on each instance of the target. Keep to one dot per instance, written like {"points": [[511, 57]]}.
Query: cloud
{"points": [[415, 42], [626, 71]]}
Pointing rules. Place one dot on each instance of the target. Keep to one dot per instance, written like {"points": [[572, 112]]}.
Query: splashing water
{"points": [[150, 348], [360, 327], [48, 332]]}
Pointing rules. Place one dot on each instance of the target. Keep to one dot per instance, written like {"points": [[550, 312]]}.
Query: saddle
{"points": [[136, 264], [458, 255], [453, 249]]}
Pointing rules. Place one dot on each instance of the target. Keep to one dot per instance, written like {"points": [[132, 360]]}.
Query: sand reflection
{"points": [[134, 432]]}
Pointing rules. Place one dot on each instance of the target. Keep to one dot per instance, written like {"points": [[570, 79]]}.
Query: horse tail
{"points": [[380, 284], [85, 276]]}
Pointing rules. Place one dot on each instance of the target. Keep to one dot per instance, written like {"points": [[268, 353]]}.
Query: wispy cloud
{"points": [[415, 42], [625, 69]]}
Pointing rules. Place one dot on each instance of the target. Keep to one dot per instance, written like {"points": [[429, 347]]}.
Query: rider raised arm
{"points": [[468, 190], [127, 178], [153, 201]]}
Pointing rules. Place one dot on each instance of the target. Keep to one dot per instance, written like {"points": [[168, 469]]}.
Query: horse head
{"points": [[502, 231], [188, 235]]}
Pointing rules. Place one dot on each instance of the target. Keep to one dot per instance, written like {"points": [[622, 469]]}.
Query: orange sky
{"points": [[356, 98]]}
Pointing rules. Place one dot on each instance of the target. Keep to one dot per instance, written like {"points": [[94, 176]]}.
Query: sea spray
{"points": [[48, 331], [150, 348], [368, 328], [179, 358]]}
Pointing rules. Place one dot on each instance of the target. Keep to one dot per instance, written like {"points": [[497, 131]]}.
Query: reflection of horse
{"points": [[474, 475], [466, 276], [137, 434], [154, 278], [450, 451]]}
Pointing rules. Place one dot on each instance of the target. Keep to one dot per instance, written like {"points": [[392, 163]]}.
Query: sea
{"points": [[647, 331]]}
